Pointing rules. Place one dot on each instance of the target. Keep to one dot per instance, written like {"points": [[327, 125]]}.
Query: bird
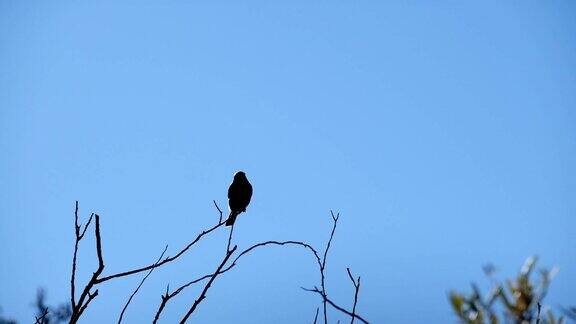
{"points": [[239, 195]]}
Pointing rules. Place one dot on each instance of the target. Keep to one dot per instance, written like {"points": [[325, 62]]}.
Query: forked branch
{"points": [[80, 305], [89, 292], [205, 290], [138, 288], [321, 262]]}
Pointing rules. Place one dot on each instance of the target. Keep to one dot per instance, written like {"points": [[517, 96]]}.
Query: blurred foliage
{"points": [[570, 313], [4, 320], [44, 314], [50, 315], [517, 301]]}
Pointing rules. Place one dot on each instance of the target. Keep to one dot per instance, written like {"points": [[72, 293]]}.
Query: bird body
{"points": [[239, 195]]}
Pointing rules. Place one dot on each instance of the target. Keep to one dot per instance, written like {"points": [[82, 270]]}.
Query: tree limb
{"points": [[331, 303], [323, 266], [166, 260], [79, 307], [316, 316], [140, 285], [167, 296], [78, 238], [203, 294], [356, 290]]}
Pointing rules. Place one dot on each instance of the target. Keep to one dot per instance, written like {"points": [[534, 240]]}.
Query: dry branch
{"points": [[316, 316], [356, 284], [203, 294], [78, 235], [42, 318], [323, 285], [165, 298], [80, 305], [140, 285], [166, 260], [331, 303]]}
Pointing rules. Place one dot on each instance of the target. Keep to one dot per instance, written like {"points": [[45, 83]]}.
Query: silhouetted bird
{"points": [[239, 194]]}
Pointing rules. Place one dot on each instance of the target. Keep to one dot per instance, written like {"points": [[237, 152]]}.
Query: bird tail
{"points": [[232, 218]]}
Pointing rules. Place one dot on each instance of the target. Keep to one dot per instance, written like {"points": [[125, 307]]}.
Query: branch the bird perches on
{"points": [[229, 261]]}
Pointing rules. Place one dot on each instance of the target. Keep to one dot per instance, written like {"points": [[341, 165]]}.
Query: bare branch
{"points": [[99, 246], [91, 296], [79, 308], [76, 226], [167, 296], [219, 210], [73, 279], [356, 290], [335, 219], [318, 291], [78, 238], [165, 299], [316, 316], [166, 260], [86, 226], [42, 318], [230, 238], [203, 294], [250, 249], [321, 262], [140, 285], [87, 296], [323, 266], [305, 245]]}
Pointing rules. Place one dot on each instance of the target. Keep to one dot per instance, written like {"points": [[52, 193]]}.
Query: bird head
{"points": [[240, 175]]}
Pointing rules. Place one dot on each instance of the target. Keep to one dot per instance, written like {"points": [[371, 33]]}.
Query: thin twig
{"points": [[305, 245], [73, 279], [203, 294], [335, 219], [87, 296], [316, 316], [321, 263], [230, 238], [140, 285], [356, 284], [79, 308], [91, 296], [167, 296], [78, 237], [219, 210], [165, 299], [42, 318], [86, 226], [318, 291], [166, 260], [248, 250], [322, 283]]}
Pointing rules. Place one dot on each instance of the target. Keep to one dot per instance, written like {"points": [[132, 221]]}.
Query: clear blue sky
{"points": [[443, 132]]}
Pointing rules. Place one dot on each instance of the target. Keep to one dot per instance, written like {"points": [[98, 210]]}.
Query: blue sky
{"points": [[443, 132]]}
